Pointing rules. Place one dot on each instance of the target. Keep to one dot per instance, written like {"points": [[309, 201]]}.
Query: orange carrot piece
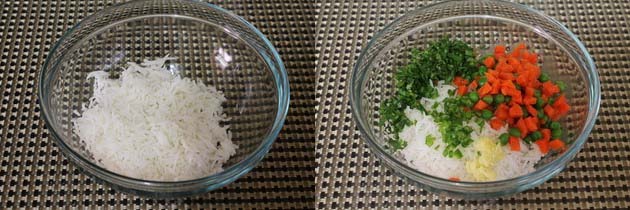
{"points": [[496, 123], [496, 87], [459, 81], [520, 124], [515, 145], [530, 91], [506, 76], [515, 111], [546, 134], [557, 145], [499, 49], [461, 90], [548, 88], [473, 85], [543, 145], [480, 105], [502, 112], [531, 123], [531, 110], [550, 111], [529, 100], [484, 90], [489, 62]]}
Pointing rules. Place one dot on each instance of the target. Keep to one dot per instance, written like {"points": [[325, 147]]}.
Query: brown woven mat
{"points": [[348, 176], [33, 173]]}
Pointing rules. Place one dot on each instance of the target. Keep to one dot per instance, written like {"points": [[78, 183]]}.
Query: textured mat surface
{"points": [[348, 176], [33, 173]]}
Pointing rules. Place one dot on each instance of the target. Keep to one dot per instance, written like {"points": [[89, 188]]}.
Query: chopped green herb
{"points": [[429, 141]]}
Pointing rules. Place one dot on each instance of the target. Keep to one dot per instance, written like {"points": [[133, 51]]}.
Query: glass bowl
{"points": [[482, 24], [210, 44]]}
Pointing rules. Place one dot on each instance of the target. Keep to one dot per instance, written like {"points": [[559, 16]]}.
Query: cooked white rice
{"points": [[153, 125], [430, 160]]}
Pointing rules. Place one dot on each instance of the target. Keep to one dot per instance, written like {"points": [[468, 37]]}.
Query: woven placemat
{"points": [[348, 176], [34, 173]]}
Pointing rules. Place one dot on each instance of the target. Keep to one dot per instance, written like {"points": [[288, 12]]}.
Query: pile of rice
{"points": [[430, 160], [151, 124]]}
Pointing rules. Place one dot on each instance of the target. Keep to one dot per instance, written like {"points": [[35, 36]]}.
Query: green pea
{"points": [[536, 135], [551, 100], [488, 99], [514, 132], [540, 114], [486, 114], [555, 125], [544, 119], [537, 93], [544, 77], [508, 99], [556, 133], [503, 138], [540, 102], [473, 96], [499, 98], [528, 139], [561, 85]]}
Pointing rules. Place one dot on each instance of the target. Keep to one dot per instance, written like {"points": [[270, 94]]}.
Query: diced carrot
{"points": [[530, 91], [532, 58], [461, 90], [504, 67], [520, 124], [560, 101], [489, 62], [531, 110], [499, 49], [510, 121], [473, 85], [512, 61], [517, 98], [557, 145], [562, 110], [455, 179], [529, 100], [515, 145], [515, 111], [548, 88], [506, 76], [534, 84], [543, 145], [546, 133], [502, 112], [496, 123], [459, 81], [491, 75], [531, 123], [549, 111], [480, 105], [484, 90], [496, 87], [522, 80]]}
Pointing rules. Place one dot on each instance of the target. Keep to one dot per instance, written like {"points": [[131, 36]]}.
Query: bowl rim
{"points": [[542, 174], [216, 180]]}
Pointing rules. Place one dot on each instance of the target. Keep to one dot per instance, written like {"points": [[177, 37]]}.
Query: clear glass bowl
{"points": [[210, 45], [482, 24]]}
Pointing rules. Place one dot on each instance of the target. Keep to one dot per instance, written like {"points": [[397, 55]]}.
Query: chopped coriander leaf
{"points": [[441, 60], [429, 140]]}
